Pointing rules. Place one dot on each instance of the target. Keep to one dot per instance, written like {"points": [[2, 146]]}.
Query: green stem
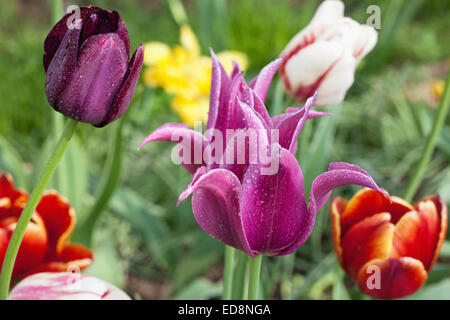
{"points": [[108, 183], [439, 121], [17, 236], [253, 285], [228, 272], [239, 275]]}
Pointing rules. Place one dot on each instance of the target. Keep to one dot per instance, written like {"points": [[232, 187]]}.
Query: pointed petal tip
{"points": [[355, 168], [312, 100], [213, 54]]}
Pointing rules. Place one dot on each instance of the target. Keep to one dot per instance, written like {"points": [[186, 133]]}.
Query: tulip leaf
{"points": [[107, 264], [199, 289], [105, 189], [437, 291], [11, 162], [439, 272], [204, 253], [339, 290], [145, 218], [445, 250], [323, 267]]}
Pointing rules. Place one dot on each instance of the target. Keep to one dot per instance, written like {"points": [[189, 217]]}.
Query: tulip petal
{"points": [[125, 94], [369, 239], [256, 144], [65, 286], [219, 81], [302, 79], [274, 207], [227, 117], [262, 81], [59, 219], [62, 68], [260, 108], [441, 208], [327, 15], [122, 32], [4, 242], [189, 139], [33, 247], [8, 191], [339, 78], [365, 41], [329, 11], [417, 234], [338, 174], [98, 78], [95, 20], [216, 203], [398, 277], [73, 257], [337, 206], [367, 202], [290, 126]]}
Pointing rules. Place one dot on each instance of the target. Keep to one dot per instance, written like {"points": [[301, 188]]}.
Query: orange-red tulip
{"points": [[45, 244], [388, 248]]}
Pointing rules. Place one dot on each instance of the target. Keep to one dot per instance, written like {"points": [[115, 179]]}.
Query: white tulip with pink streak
{"points": [[65, 286], [324, 55]]}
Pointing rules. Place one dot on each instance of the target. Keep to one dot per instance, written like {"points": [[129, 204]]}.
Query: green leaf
{"points": [[438, 291], [108, 183], [11, 162], [339, 290], [199, 289], [107, 264], [301, 289], [445, 250], [145, 218], [205, 252]]}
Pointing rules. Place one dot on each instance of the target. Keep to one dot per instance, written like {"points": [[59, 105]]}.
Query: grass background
{"points": [[151, 248]]}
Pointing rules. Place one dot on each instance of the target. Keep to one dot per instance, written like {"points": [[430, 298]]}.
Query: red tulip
{"points": [[45, 244], [388, 248]]}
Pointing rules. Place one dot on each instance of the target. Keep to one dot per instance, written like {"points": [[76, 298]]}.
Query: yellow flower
{"points": [[185, 73], [191, 109]]}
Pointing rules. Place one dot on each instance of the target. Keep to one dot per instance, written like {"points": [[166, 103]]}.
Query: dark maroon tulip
{"points": [[89, 75]]}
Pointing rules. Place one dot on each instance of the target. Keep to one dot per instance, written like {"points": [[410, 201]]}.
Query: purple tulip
{"points": [[239, 204], [89, 75]]}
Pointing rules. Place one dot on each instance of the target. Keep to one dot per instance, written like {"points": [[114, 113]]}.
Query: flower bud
{"points": [[324, 55], [89, 75]]}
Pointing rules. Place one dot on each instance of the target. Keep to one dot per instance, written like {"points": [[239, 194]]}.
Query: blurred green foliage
{"points": [[381, 127]]}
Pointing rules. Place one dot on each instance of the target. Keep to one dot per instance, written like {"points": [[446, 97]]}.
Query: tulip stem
{"points": [[228, 272], [239, 275], [439, 121], [253, 284], [17, 236]]}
